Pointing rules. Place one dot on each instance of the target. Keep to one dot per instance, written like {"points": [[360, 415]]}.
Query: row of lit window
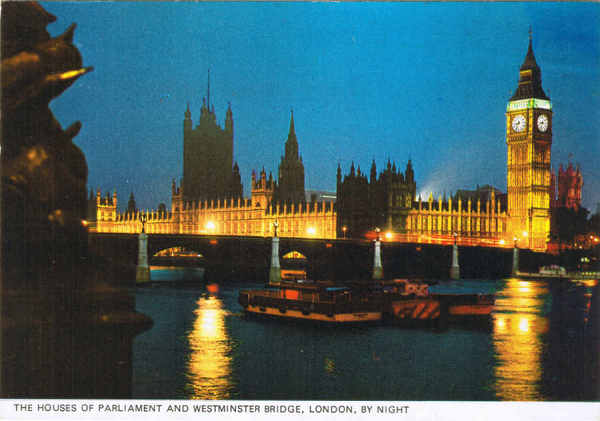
{"points": [[450, 224]]}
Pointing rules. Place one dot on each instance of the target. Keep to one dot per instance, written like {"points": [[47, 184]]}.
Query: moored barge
{"points": [[313, 300], [398, 300]]}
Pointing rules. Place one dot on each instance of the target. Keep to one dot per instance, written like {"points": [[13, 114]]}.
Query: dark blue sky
{"points": [[366, 81]]}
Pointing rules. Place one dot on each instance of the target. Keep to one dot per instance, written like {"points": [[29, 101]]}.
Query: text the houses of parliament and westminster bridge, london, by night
{"points": [[209, 200]]}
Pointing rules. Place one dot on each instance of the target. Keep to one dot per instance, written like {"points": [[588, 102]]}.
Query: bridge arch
{"points": [[294, 255], [158, 244], [177, 251]]}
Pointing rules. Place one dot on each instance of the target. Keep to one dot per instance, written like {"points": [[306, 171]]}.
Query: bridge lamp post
{"points": [[142, 273], [515, 262], [275, 269], [455, 268], [344, 229], [311, 231], [377, 266]]}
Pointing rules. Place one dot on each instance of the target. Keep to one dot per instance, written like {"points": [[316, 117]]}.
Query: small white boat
{"points": [[553, 270]]}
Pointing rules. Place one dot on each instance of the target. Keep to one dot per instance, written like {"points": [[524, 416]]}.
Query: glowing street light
{"points": [[311, 231], [388, 235], [344, 229], [210, 225]]}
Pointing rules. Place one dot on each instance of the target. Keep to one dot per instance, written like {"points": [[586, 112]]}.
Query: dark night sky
{"points": [[366, 81]]}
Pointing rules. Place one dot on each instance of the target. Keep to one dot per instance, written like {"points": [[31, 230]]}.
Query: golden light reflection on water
{"points": [[519, 324], [209, 365]]}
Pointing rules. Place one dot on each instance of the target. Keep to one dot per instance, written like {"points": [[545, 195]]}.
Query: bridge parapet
{"points": [[248, 258]]}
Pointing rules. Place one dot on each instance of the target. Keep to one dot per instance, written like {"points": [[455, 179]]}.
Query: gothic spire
{"points": [[131, 206], [530, 77], [373, 175], [291, 145], [409, 173], [208, 90], [529, 62], [229, 118]]}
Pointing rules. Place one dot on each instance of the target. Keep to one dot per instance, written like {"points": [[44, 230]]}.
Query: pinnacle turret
{"points": [[229, 118], [373, 175]]}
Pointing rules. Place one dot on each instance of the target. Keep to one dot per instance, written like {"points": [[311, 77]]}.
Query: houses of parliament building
{"points": [[209, 199]]}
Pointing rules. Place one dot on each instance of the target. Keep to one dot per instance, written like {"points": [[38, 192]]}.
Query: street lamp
{"points": [[515, 239], [377, 230], [455, 235], [143, 220], [275, 225], [344, 229]]}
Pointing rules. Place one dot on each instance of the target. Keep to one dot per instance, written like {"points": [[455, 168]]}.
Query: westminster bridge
{"points": [[239, 258]]}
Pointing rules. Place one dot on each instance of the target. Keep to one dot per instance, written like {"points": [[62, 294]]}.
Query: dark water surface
{"points": [[538, 346]]}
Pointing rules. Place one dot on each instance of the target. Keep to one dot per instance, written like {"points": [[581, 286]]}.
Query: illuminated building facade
{"points": [[106, 207], [234, 215], [255, 216], [387, 201], [529, 139]]}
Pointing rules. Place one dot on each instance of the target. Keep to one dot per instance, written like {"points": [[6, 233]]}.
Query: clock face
{"points": [[542, 122], [518, 123]]}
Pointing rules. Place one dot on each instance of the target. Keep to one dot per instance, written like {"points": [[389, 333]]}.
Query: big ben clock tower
{"points": [[529, 138]]}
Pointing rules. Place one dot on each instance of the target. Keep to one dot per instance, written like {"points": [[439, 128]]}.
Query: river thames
{"points": [[539, 345]]}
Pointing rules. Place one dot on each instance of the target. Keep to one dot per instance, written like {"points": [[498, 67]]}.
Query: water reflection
{"points": [[519, 324], [209, 366]]}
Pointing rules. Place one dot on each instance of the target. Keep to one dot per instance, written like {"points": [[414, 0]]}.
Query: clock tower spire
{"points": [[529, 139]]}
